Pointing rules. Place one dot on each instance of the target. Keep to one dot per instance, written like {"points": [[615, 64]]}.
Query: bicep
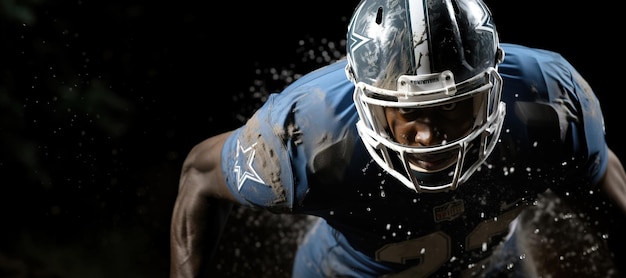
{"points": [[201, 208], [201, 172]]}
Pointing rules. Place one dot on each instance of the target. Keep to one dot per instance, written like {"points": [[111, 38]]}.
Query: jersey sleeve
{"points": [[553, 113], [303, 131], [256, 164]]}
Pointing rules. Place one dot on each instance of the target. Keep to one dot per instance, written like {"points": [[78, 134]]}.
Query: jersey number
{"points": [[433, 250]]}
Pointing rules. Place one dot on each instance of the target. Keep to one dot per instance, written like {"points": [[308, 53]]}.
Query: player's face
{"points": [[431, 126]]}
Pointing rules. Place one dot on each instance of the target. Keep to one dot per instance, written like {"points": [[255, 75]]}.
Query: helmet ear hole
{"points": [[499, 55]]}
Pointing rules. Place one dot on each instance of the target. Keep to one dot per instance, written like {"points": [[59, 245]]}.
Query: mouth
{"points": [[432, 163]]}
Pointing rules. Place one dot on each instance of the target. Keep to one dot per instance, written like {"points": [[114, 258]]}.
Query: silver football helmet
{"points": [[418, 54]]}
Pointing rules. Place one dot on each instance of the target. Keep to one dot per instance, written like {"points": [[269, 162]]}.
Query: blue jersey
{"points": [[301, 153]]}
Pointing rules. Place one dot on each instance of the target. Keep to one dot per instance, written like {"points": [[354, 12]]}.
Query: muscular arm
{"points": [[613, 183], [613, 189], [200, 211]]}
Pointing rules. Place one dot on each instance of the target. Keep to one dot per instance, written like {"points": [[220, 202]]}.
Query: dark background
{"points": [[101, 100]]}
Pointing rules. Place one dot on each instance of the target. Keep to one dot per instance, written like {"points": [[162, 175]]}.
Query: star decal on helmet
{"points": [[487, 22], [354, 39], [247, 171]]}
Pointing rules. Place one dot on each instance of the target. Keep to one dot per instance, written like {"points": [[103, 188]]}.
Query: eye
{"points": [[406, 110], [449, 106]]}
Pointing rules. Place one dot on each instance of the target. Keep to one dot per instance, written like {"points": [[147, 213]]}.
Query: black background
{"points": [[101, 100]]}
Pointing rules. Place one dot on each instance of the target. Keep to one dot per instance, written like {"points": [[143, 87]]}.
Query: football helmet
{"points": [[416, 54]]}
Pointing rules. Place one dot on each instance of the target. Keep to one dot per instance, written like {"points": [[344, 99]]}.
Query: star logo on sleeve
{"points": [[246, 171]]}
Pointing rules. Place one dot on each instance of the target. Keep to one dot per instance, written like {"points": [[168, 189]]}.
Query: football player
{"points": [[418, 152]]}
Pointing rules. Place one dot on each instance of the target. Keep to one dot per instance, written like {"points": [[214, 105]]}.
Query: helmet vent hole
{"points": [[379, 15]]}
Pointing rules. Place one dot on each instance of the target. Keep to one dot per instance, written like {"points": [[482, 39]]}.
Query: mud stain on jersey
{"points": [[293, 131], [267, 161]]}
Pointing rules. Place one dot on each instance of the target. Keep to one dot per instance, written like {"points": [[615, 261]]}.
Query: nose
{"points": [[425, 134]]}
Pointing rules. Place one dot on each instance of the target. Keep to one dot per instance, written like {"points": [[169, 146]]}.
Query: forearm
{"points": [[614, 182], [197, 225]]}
